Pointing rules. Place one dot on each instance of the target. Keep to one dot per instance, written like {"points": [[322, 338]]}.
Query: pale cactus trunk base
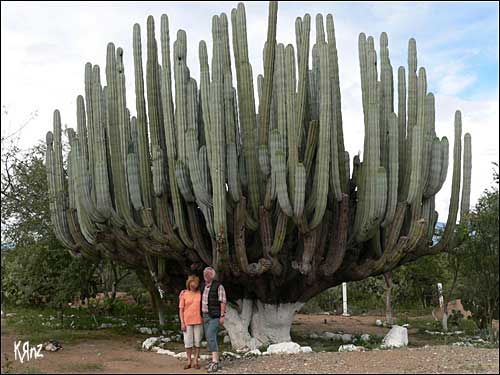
{"points": [[255, 323]]}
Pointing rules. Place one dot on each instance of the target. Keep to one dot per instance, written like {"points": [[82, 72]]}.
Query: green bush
{"points": [[469, 326]]}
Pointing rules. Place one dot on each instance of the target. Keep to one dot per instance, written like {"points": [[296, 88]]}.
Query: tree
{"points": [[37, 270], [479, 256], [213, 181]]}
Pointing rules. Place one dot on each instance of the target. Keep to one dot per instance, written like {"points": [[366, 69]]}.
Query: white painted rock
{"points": [[396, 338], [227, 340], [145, 330], [378, 323], [253, 353], [284, 348], [365, 337], [149, 343], [204, 344], [165, 351], [306, 349], [287, 348], [351, 348]]}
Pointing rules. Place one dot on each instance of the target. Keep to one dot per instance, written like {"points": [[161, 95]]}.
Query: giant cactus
{"points": [[198, 177]]}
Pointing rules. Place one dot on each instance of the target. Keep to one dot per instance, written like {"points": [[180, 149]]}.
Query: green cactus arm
{"points": [[455, 190], [218, 142], [323, 157], [246, 104], [402, 129], [168, 126], [337, 246], [181, 80], [265, 104], [83, 177], [279, 234], [412, 104], [337, 112], [199, 187], [418, 140], [57, 196], [183, 181], [302, 35], [300, 191], [393, 169], [467, 168], [144, 158], [435, 168], [232, 171]]}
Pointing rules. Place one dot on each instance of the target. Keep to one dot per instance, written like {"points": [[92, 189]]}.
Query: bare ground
{"points": [[121, 354]]}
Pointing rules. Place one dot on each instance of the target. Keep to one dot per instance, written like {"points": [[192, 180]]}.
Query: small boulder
{"points": [[314, 336], [227, 340], [306, 349], [149, 343], [396, 338], [351, 348], [378, 323], [145, 330], [253, 353], [346, 337], [365, 337], [51, 346], [287, 348], [204, 344]]}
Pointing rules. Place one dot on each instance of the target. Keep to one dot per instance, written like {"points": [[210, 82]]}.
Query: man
{"points": [[213, 308]]}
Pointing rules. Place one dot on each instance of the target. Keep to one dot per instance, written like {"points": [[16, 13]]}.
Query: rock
{"points": [[365, 337], [154, 331], [230, 355], [351, 348], [51, 346], [378, 323], [165, 339], [227, 340], [314, 336], [396, 338], [146, 330], [287, 348], [105, 325], [332, 336], [346, 337], [253, 353], [164, 351], [204, 344], [149, 343]]}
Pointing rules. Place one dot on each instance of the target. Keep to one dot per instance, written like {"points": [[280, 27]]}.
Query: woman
{"points": [[191, 321]]}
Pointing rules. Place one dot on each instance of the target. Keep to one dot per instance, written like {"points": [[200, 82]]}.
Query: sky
{"points": [[45, 45]]}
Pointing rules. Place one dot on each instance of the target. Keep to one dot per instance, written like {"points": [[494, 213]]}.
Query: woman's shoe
{"points": [[187, 365], [196, 366]]}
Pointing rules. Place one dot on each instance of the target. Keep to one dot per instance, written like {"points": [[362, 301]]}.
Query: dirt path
{"points": [[120, 354], [437, 359]]}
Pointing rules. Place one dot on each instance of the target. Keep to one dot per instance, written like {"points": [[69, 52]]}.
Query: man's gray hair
{"points": [[211, 270]]}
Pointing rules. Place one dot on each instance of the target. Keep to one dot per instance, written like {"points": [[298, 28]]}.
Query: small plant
{"points": [[469, 326]]}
